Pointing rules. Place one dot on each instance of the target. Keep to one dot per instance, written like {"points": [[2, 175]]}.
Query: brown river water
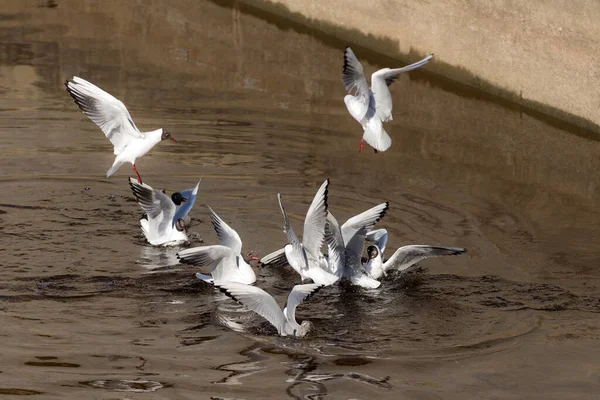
{"points": [[89, 310]]}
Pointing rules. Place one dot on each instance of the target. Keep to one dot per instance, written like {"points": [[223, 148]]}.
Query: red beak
{"points": [[173, 139], [253, 258]]}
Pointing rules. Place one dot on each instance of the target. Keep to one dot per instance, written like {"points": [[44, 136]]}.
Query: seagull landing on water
{"points": [[225, 259], [371, 107], [403, 258], [165, 223], [262, 303], [114, 120], [305, 257]]}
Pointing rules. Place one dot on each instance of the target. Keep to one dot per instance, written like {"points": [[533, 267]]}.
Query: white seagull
{"points": [[305, 257], [346, 245], [371, 107], [403, 258], [262, 303], [114, 120], [225, 259], [165, 225], [349, 240]]}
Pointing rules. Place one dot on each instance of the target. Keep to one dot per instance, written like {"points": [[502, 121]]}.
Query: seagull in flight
{"points": [[371, 107], [165, 223], [114, 120], [403, 258], [262, 303]]}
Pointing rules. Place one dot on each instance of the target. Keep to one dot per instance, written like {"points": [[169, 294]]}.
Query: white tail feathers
{"points": [[116, 165], [376, 136]]}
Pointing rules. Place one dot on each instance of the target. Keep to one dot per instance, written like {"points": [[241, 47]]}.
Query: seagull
{"points": [[371, 107], [304, 257], [346, 245], [349, 240], [114, 120], [225, 259], [403, 258], [165, 223], [262, 303]]}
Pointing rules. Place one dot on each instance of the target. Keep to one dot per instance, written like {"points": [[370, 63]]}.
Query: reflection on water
{"points": [[258, 109]]}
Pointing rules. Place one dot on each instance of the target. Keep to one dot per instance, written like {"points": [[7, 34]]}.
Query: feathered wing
{"points": [[298, 249], [227, 235], [159, 207], [255, 299], [407, 256], [190, 195], [205, 256], [275, 259], [298, 294], [106, 111], [380, 80], [314, 223], [354, 232], [335, 246], [378, 237]]}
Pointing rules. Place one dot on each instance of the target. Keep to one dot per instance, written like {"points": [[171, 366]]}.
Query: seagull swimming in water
{"points": [[225, 259], [165, 223], [305, 257], [114, 120], [371, 107], [262, 303], [345, 247], [403, 258]]}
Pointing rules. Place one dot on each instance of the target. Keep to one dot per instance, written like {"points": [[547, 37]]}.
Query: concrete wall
{"points": [[544, 54]]}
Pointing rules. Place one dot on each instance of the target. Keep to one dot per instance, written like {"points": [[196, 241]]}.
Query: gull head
{"points": [[372, 252], [178, 198], [304, 328], [166, 135]]}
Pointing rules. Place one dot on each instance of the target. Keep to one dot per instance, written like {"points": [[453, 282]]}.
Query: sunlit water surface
{"points": [[89, 310]]}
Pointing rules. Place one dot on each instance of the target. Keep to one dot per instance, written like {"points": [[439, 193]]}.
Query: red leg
{"points": [[139, 178], [361, 146]]}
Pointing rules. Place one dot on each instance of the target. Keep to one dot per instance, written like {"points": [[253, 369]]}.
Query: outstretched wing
{"points": [[184, 209], [227, 235], [335, 246], [378, 237], [254, 299], [205, 256], [298, 294], [106, 111], [159, 207], [354, 232], [314, 223], [275, 259], [407, 256], [383, 78], [291, 235]]}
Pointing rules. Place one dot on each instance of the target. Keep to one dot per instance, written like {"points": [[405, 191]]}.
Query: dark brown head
{"points": [[167, 135], [372, 252], [178, 198]]}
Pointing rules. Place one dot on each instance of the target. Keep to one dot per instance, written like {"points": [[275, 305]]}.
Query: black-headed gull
{"points": [[165, 225], [304, 257], [262, 303], [112, 117], [403, 258], [372, 107], [225, 259], [341, 241], [346, 245]]}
